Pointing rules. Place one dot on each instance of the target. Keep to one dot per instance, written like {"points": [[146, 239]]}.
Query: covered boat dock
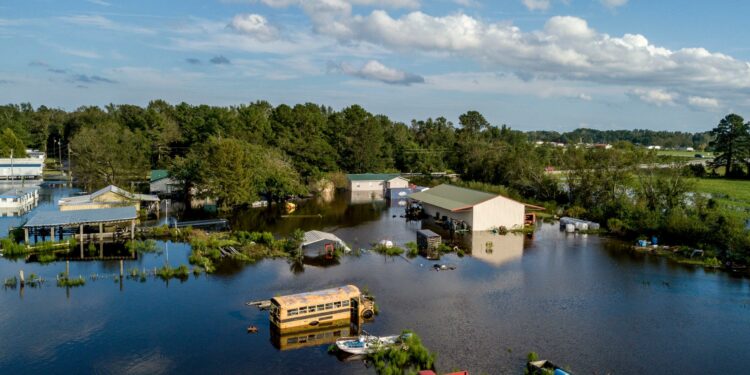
{"points": [[49, 220]]}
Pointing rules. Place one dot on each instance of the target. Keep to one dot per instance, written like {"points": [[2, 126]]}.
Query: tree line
{"points": [[237, 154]]}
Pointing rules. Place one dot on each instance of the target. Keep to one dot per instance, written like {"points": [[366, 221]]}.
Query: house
{"points": [[21, 168], [374, 181], [476, 210], [108, 197], [161, 183], [18, 201]]}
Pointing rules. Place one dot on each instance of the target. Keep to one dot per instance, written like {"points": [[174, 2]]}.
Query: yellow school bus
{"points": [[328, 307]]}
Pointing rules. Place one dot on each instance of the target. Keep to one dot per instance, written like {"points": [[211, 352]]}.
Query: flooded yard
{"points": [[580, 301]]}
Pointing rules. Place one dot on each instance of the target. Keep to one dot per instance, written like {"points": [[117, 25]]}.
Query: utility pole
{"points": [[59, 151], [70, 173]]}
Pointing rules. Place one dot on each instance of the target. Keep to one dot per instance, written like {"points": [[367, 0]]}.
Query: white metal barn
{"points": [[370, 181], [481, 211]]}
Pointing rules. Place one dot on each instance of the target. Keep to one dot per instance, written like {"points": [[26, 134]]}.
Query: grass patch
{"points": [[389, 251], [412, 250], [731, 194], [66, 282], [167, 272]]}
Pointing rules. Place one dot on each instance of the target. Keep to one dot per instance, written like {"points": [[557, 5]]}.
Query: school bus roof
{"points": [[320, 296]]}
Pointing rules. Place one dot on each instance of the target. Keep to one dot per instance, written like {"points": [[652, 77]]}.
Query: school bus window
{"points": [[345, 303], [303, 310], [337, 304], [311, 309], [329, 306], [292, 312], [321, 307]]}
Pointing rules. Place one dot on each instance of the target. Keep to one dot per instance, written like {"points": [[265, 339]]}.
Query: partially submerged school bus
{"points": [[329, 307]]}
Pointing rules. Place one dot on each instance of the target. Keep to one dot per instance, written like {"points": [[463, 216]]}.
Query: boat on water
{"points": [[365, 344]]}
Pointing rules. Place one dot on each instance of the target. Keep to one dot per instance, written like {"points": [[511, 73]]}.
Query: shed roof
{"points": [[314, 236], [66, 218], [313, 298], [159, 174], [83, 199], [371, 176], [451, 197]]}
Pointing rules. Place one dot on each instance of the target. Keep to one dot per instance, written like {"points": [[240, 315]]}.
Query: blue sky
{"points": [[531, 64]]}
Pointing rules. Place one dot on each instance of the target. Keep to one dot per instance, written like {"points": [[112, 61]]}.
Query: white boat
{"points": [[365, 344]]}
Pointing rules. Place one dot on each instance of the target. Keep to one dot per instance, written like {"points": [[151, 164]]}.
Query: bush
{"points": [[412, 249], [11, 247]]}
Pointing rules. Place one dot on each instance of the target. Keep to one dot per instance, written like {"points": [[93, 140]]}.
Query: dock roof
{"points": [[314, 236], [451, 197], [78, 217], [372, 176]]}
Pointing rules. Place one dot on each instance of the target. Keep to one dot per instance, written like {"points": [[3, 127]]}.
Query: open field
{"points": [[684, 154], [730, 193]]}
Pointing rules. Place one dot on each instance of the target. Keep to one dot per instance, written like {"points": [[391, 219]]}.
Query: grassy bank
{"points": [[731, 194], [210, 248]]}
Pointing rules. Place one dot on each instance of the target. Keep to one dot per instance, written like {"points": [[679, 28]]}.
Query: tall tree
{"points": [[732, 140], [9, 142], [108, 153]]}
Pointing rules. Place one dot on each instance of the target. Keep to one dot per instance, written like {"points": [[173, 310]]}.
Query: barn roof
{"points": [[451, 197], [314, 236], [371, 176], [85, 199]]}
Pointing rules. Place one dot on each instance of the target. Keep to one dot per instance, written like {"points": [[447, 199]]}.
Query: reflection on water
{"points": [[494, 248], [314, 337]]}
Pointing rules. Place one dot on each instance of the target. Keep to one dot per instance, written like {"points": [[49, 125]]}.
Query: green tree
{"points": [[108, 153], [9, 142], [732, 141]]}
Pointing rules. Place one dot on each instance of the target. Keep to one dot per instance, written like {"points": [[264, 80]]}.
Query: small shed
{"points": [[428, 240], [317, 243]]}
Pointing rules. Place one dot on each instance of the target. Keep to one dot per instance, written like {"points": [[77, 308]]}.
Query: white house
{"points": [[17, 201], [479, 210], [21, 168], [373, 181]]}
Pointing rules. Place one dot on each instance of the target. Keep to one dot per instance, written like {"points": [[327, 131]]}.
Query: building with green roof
{"points": [[479, 210]]}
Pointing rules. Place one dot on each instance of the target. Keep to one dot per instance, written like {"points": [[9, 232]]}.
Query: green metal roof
{"points": [[451, 197], [371, 176], [158, 174]]}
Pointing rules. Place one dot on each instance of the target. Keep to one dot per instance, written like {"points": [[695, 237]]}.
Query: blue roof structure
{"points": [[78, 217]]}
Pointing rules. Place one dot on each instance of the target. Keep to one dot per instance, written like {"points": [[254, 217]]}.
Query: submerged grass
{"points": [[64, 281]]}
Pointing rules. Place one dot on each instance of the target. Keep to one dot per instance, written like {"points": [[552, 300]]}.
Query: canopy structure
{"points": [[48, 219]]}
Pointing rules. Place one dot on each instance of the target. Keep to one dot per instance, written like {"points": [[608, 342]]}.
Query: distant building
{"points": [[18, 201], [108, 197], [374, 181], [653, 147], [29, 167], [161, 183], [605, 146], [479, 210]]}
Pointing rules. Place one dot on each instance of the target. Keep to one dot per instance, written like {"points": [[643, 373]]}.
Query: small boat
{"points": [[290, 207], [365, 344]]}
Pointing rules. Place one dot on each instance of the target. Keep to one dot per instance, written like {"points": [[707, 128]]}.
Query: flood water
{"points": [[582, 302]]}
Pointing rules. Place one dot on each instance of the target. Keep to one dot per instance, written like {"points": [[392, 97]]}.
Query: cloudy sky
{"points": [[531, 64]]}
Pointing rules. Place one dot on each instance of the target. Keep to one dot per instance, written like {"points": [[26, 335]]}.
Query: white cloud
{"points": [[537, 4], [614, 3], [99, 2], [468, 3], [584, 96], [410, 4], [80, 53], [376, 71], [255, 26], [565, 48], [657, 97], [105, 23], [703, 103]]}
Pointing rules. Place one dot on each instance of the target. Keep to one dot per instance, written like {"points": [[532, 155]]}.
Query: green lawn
{"points": [[684, 154], [729, 193]]}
